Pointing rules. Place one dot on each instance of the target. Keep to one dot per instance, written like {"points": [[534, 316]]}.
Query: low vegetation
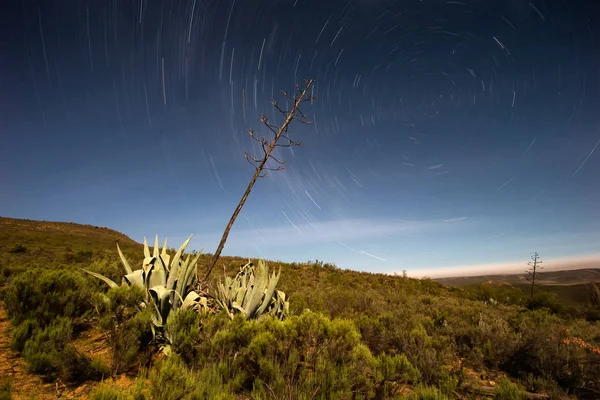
{"points": [[322, 332]]}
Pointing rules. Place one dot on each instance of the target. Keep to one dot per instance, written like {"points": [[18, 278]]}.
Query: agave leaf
{"points": [[155, 252], [191, 300], [156, 276], [136, 278], [280, 295], [157, 318], [166, 350], [178, 281], [203, 303], [166, 258], [269, 293], [258, 289], [146, 249], [188, 274], [186, 277], [240, 288], [236, 306], [174, 270], [124, 260], [106, 280], [160, 298]]}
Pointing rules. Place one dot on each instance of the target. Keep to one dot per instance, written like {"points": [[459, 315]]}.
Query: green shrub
{"points": [[43, 295], [427, 393], [182, 331], [22, 333], [105, 391], [129, 327], [99, 368], [170, 379], [544, 300], [542, 353], [499, 294], [508, 391], [79, 257], [131, 341], [538, 384], [299, 357], [43, 351], [391, 371]]}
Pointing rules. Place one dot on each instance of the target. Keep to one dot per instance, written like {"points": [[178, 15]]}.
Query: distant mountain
{"points": [[547, 278]]}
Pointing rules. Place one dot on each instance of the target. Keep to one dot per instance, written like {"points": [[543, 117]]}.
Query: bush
{"points": [[22, 333], [131, 341], [43, 295], [299, 357], [129, 327], [172, 380], [44, 349], [542, 353], [499, 294], [182, 331], [427, 393], [107, 392], [508, 391], [49, 351], [544, 300], [392, 371]]}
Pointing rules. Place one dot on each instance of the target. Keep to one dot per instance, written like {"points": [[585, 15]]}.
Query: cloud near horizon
{"points": [[342, 230], [511, 267]]}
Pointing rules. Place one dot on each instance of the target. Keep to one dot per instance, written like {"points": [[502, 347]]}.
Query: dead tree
{"points": [[534, 265], [267, 147]]}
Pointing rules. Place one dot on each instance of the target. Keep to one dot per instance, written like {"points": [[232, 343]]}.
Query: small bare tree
{"points": [[534, 265], [267, 147]]}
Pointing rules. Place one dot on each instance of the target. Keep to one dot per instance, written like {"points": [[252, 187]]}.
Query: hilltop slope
{"points": [[439, 339]]}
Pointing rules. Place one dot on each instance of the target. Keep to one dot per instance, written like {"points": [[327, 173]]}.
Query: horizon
{"points": [[496, 269], [446, 139]]}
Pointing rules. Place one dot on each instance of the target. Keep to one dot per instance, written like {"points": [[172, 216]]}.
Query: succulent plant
{"points": [[168, 283], [252, 293]]}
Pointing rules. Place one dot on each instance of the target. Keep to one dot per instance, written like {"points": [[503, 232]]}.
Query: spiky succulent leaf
{"points": [[146, 249], [166, 258], [269, 292], [174, 270], [191, 300], [160, 299], [124, 260], [186, 276], [136, 278], [156, 276], [252, 293], [155, 252], [106, 280]]}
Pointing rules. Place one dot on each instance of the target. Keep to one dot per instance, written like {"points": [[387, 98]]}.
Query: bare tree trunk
{"points": [[290, 115], [534, 264]]}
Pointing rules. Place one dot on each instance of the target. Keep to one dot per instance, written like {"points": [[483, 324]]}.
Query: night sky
{"points": [[447, 134]]}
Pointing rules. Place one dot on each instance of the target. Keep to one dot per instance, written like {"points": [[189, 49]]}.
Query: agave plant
{"points": [[168, 284], [252, 293]]}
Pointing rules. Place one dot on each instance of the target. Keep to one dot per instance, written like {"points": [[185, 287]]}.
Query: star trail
{"points": [[444, 135]]}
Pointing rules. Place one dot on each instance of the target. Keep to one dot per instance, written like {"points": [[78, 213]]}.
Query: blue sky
{"points": [[444, 135]]}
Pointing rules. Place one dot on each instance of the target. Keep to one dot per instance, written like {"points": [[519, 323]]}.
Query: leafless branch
{"points": [[267, 147]]}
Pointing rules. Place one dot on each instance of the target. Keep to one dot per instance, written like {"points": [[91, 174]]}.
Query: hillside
{"points": [[552, 278], [348, 334], [570, 287]]}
